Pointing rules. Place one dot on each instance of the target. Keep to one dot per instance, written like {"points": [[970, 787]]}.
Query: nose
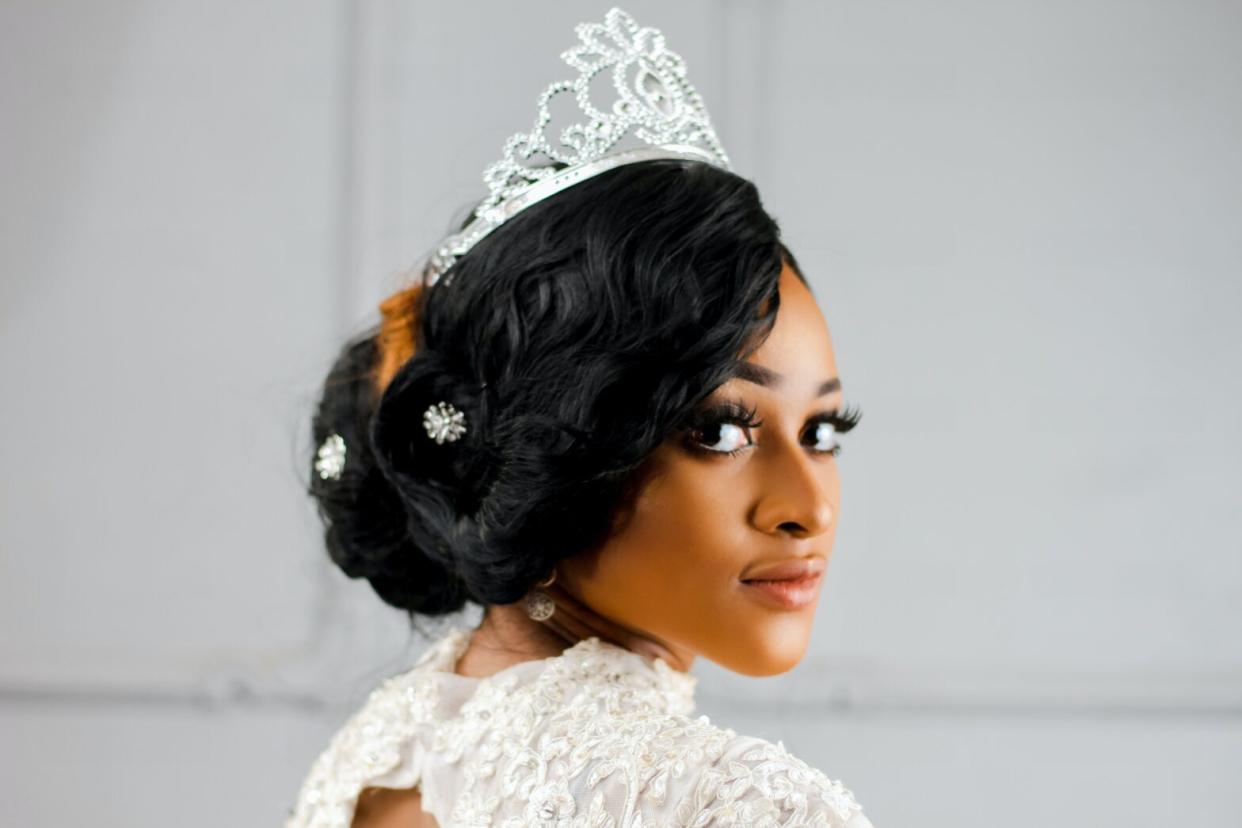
{"points": [[796, 494]]}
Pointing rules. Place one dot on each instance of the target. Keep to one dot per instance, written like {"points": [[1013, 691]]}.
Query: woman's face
{"points": [[705, 520]]}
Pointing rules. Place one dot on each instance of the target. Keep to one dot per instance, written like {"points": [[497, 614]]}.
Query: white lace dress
{"points": [[598, 737]]}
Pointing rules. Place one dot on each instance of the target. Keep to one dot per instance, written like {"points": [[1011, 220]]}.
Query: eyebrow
{"points": [[768, 378]]}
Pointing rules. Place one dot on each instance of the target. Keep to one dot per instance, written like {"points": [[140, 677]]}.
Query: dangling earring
{"points": [[539, 606]]}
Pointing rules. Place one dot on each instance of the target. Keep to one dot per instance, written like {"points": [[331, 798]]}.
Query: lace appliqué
{"points": [[370, 743], [597, 739], [768, 788]]}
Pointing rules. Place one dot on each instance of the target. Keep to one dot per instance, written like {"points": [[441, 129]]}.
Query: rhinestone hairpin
{"points": [[330, 459], [654, 102], [443, 422]]}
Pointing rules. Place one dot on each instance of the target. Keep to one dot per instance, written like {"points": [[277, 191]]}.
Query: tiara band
{"points": [[655, 103], [456, 245]]}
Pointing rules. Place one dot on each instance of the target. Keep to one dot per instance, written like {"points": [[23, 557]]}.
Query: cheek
{"points": [[694, 511], [682, 547]]}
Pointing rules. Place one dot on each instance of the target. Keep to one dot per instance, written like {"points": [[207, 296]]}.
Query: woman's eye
{"points": [[726, 429], [722, 428], [825, 438], [827, 426], [721, 438]]}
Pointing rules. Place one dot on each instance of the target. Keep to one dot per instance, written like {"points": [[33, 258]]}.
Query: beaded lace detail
{"points": [[596, 737]]}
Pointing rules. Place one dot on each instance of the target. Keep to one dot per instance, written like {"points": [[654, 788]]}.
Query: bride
{"points": [[606, 411]]}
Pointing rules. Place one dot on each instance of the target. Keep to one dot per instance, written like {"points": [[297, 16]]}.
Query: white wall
{"points": [[1021, 220]]}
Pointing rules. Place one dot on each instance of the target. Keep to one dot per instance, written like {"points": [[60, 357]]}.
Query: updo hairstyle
{"points": [[575, 338]]}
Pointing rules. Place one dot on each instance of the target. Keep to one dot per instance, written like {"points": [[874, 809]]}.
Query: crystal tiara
{"points": [[654, 102]]}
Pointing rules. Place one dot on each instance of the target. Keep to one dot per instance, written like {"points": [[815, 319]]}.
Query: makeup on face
{"points": [[789, 584], [723, 553], [730, 413], [728, 418]]}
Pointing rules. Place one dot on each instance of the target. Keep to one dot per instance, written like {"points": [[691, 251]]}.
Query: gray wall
{"points": [[1022, 221]]}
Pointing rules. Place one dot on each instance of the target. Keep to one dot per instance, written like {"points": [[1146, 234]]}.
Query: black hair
{"points": [[575, 338]]}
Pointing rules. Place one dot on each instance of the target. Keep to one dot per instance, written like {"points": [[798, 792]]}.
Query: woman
{"points": [[606, 413]]}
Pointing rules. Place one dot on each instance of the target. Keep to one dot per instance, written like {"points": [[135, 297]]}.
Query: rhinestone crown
{"points": [[655, 103]]}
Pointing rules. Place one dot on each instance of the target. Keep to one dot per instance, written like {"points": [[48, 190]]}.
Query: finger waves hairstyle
{"points": [[576, 338]]}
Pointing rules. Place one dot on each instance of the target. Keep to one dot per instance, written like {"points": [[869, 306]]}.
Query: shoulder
{"points": [[375, 746], [755, 781], [681, 770]]}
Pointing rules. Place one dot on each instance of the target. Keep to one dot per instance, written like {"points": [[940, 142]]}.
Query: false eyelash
{"points": [[726, 411], [841, 421], [735, 413]]}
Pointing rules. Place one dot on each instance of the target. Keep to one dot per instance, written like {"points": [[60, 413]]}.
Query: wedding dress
{"points": [[598, 736]]}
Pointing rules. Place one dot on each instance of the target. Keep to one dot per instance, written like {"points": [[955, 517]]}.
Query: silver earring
{"points": [[539, 606], [443, 422]]}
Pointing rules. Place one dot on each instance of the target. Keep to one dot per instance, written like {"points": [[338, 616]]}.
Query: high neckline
{"points": [[585, 657]]}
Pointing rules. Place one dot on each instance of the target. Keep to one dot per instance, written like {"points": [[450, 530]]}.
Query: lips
{"points": [[789, 584], [792, 569]]}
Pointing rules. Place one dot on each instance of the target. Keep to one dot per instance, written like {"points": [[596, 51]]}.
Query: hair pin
{"points": [[444, 423], [330, 459]]}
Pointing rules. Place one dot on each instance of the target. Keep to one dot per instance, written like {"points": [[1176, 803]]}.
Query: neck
{"points": [[507, 636]]}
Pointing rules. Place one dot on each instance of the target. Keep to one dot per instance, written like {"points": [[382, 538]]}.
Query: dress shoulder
{"points": [[598, 737], [633, 768], [377, 745], [757, 782]]}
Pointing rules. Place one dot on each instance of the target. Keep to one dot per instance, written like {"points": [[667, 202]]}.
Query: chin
{"points": [[775, 649]]}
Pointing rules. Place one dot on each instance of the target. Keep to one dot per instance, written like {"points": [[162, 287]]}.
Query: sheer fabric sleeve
{"points": [[377, 746]]}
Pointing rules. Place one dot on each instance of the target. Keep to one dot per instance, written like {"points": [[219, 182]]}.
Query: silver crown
{"points": [[654, 101]]}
